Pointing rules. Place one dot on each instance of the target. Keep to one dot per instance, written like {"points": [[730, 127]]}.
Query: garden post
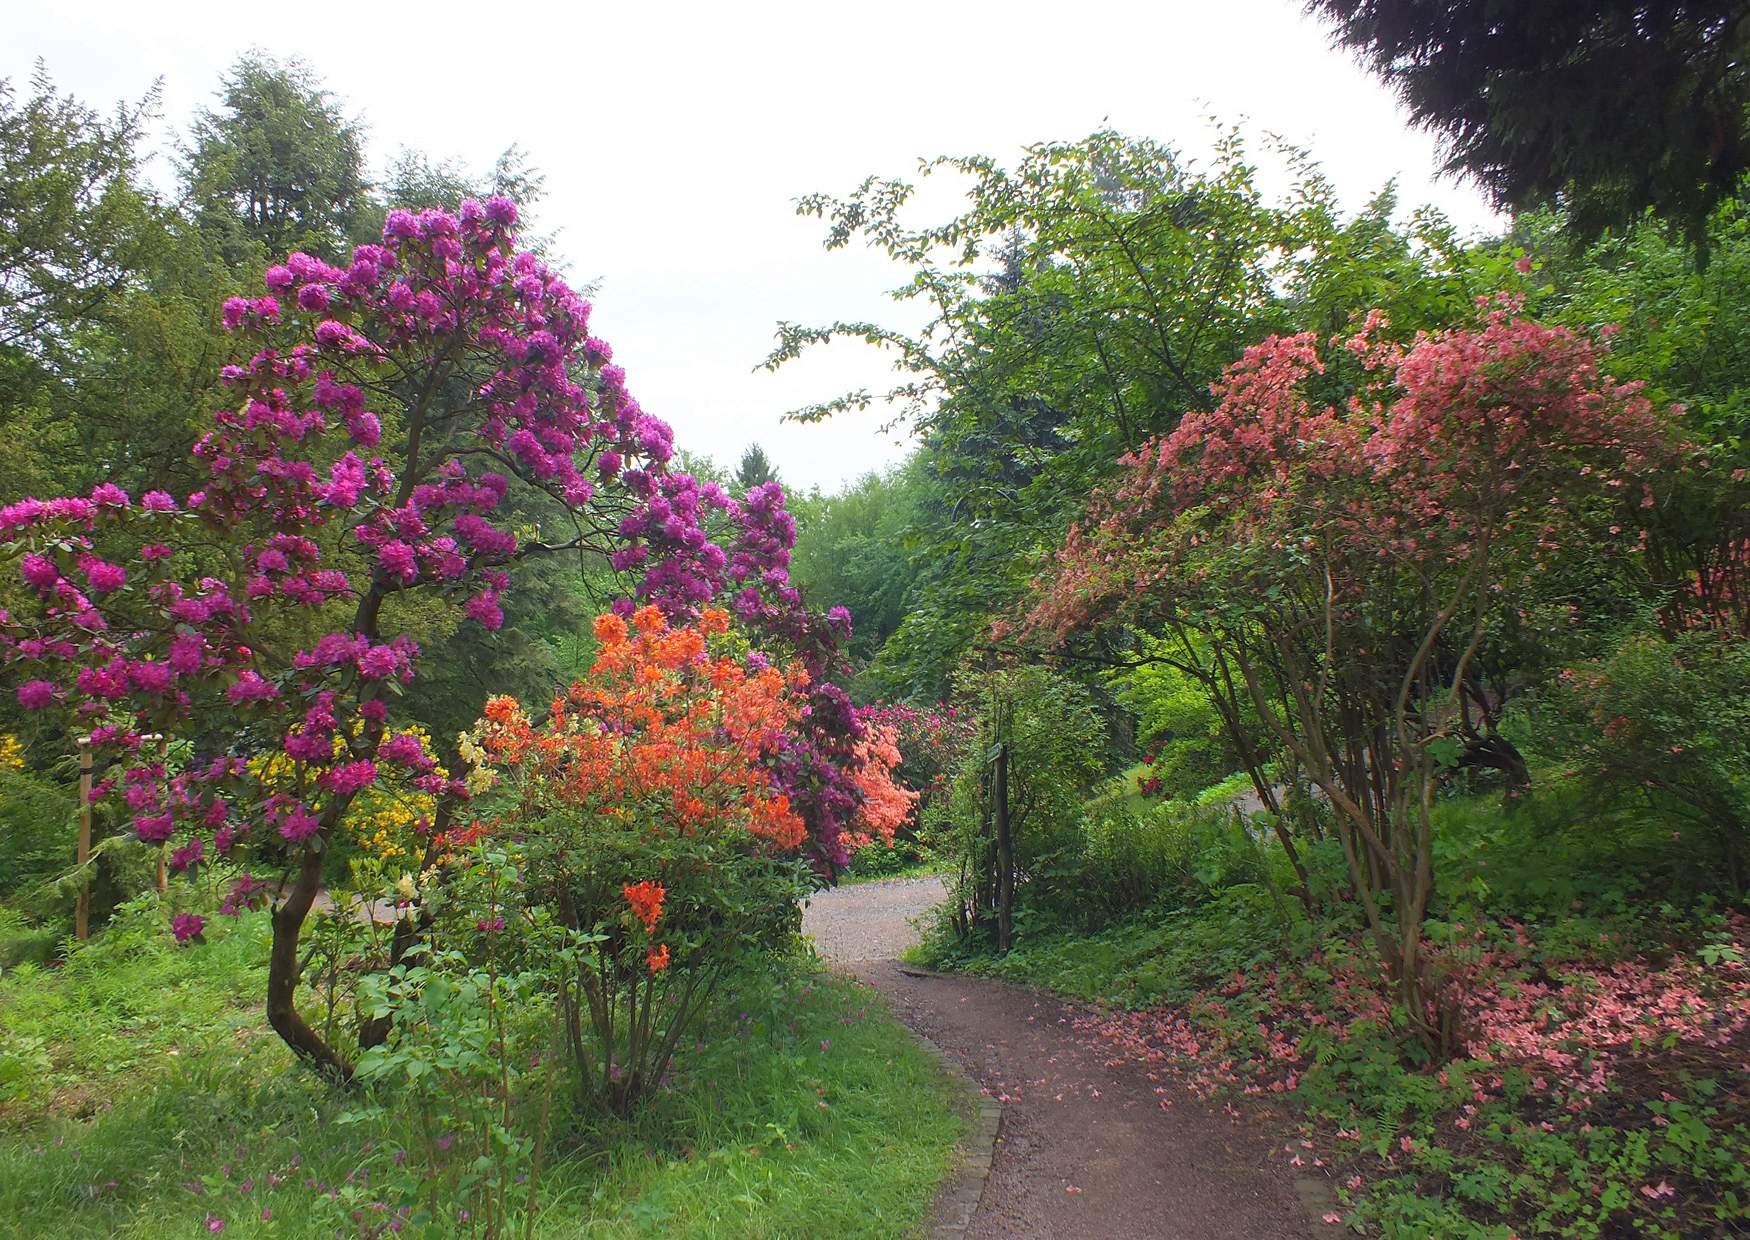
{"points": [[82, 908], [163, 849], [1005, 853]]}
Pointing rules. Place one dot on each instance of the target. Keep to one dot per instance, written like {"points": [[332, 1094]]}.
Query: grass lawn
{"points": [[141, 1096]]}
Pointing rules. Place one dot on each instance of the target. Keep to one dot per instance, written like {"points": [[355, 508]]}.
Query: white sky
{"points": [[676, 136]]}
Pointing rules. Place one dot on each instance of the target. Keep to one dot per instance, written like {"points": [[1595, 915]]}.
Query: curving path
{"points": [[1091, 1148]]}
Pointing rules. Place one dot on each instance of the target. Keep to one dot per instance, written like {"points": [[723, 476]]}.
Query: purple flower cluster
{"points": [[123, 620]]}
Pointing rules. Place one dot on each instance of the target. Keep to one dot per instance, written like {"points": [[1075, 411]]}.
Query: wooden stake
{"points": [[164, 848], [82, 909], [1005, 853]]}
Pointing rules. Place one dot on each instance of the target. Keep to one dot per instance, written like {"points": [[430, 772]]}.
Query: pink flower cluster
{"points": [[1574, 1028], [1458, 441], [1563, 1035]]}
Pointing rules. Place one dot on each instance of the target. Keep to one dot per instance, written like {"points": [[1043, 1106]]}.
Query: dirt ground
{"points": [[1090, 1148]]}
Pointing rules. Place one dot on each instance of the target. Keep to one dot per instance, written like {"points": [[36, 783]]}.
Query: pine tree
{"points": [[756, 469], [277, 165], [1610, 108]]}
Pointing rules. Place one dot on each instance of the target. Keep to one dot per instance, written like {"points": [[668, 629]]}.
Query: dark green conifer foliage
{"points": [[1609, 107]]}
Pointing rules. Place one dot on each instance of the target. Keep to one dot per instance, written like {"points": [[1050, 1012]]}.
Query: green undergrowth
{"points": [[921, 869], [144, 1099]]}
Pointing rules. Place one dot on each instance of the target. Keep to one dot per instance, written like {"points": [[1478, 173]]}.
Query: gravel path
{"points": [[1092, 1148], [870, 921]]}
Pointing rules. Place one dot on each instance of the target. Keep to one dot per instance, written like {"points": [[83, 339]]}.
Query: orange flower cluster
{"points": [[886, 802], [657, 958], [662, 732], [645, 900]]}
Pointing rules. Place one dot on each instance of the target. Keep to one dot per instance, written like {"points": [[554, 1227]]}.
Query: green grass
{"points": [[150, 1099], [923, 869]]}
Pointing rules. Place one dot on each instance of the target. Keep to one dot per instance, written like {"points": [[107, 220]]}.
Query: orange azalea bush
{"points": [[660, 730], [648, 825], [887, 803]]}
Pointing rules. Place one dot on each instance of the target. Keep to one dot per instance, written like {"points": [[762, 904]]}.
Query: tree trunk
{"points": [[1497, 753], [284, 968]]}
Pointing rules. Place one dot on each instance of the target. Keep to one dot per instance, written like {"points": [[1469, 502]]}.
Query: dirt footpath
{"points": [[1091, 1148]]}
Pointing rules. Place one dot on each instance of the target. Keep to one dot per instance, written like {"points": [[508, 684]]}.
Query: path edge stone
{"points": [[958, 1198]]}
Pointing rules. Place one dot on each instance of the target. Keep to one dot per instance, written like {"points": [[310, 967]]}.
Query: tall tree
{"points": [[1080, 300], [852, 548], [756, 469], [1613, 107], [277, 165], [75, 228], [415, 180], [72, 217]]}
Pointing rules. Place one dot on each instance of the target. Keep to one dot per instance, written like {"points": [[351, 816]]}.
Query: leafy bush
{"points": [[1666, 722], [890, 860], [1167, 855], [1177, 728], [36, 828], [466, 1072], [24, 943], [1344, 532], [649, 830], [1051, 739]]}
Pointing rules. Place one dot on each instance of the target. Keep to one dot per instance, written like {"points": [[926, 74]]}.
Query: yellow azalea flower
{"points": [[382, 819]]}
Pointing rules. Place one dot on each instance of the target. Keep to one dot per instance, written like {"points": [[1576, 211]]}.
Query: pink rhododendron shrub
{"points": [[1334, 545], [930, 740], [384, 416]]}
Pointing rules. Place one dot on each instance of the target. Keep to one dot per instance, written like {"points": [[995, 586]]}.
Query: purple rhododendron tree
{"points": [[383, 414]]}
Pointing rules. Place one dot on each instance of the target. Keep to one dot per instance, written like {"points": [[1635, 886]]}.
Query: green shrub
{"points": [[1665, 724], [21, 942], [36, 829], [1177, 728], [1054, 741], [889, 860], [1169, 855]]}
